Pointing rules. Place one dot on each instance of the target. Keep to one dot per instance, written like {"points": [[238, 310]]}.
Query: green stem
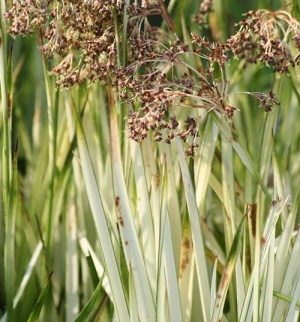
{"points": [[285, 298], [52, 129], [9, 260], [121, 61], [5, 162], [124, 35], [6, 119]]}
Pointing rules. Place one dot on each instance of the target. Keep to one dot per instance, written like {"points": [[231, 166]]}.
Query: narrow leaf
{"points": [[227, 275], [34, 316]]}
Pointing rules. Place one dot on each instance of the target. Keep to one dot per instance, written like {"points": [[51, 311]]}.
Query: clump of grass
{"points": [[156, 192]]}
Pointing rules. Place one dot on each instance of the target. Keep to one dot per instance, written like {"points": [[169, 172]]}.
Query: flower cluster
{"points": [[155, 79], [26, 16], [203, 12], [263, 37], [160, 84], [80, 34], [266, 101], [210, 51]]}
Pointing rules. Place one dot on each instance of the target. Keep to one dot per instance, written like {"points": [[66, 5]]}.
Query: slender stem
{"points": [[52, 129], [285, 298], [6, 115], [5, 286], [166, 16]]}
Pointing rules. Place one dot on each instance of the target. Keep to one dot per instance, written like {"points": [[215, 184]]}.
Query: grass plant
{"points": [[149, 161]]}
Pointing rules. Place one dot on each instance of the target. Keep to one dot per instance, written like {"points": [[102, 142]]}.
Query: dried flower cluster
{"points": [[26, 16], [81, 34], [266, 101], [167, 84], [264, 37], [203, 12], [156, 81]]}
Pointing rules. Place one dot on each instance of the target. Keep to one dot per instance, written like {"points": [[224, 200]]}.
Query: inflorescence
{"points": [[264, 37], [86, 38]]}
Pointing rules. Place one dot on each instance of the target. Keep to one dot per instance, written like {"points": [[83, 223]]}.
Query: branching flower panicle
{"points": [[264, 36], [157, 81], [266, 101], [26, 16]]}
